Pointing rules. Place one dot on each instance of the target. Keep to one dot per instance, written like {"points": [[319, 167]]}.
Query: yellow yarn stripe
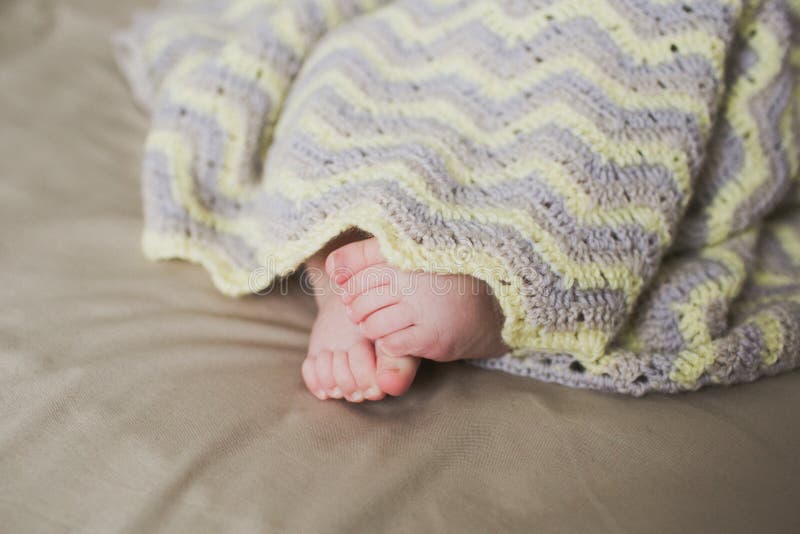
{"points": [[468, 68], [559, 114], [692, 361], [471, 70], [772, 333], [755, 170], [643, 50]]}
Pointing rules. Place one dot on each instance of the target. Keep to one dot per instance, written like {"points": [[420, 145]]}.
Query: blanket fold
{"points": [[621, 173]]}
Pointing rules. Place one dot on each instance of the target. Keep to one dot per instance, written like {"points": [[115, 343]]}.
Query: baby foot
{"points": [[341, 361], [438, 317]]}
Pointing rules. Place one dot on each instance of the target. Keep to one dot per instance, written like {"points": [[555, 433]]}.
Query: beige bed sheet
{"points": [[135, 398]]}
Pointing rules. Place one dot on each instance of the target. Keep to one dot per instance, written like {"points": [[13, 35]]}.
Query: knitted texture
{"points": [[622, 173]]}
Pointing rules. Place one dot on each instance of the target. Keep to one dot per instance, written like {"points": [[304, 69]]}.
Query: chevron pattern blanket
{"points": [[622, 173]]}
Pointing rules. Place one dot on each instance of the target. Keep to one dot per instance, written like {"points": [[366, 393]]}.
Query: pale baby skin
{"points": [[375, 322]]}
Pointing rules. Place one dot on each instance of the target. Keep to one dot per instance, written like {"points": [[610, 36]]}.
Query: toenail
{"points": [[322, 395], [336, 393], [373, 392], [356, 396]]}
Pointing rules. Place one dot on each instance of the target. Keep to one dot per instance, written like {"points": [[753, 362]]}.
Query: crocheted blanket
{"points": [[622, 173]]}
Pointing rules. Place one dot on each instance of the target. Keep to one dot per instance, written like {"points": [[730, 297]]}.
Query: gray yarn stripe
{"points": [[491, 159], [651, 18], [476, 41], [657, 321], [164, 216], [581, 242], [766, 111], [549, 209], [584, 96]]}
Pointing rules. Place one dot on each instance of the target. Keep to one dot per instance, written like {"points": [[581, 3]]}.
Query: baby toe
{"points": [[368, 303], [309, 372], [324, 368], [396, 374], [375, 278], [345, 383], [344, 262], [387, 321], [362, 365]]}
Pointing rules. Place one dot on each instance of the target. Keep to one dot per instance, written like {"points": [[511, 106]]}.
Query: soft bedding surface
{"points": [[136, 398]]}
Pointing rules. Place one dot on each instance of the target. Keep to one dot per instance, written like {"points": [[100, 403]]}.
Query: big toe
{"points": [[395, 374], [345, 261]]}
